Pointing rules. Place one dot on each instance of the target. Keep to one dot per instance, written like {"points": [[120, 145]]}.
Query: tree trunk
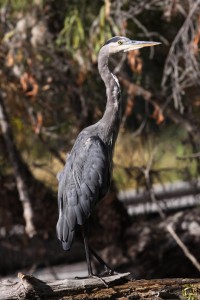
{"points": [[20, 169], [117, 286]]}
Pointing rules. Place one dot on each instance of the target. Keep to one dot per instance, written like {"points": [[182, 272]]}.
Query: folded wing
{"points": [[83, 182]]}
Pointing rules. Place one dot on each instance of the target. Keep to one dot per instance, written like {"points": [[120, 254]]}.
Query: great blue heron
{"points": [[86, 176]]}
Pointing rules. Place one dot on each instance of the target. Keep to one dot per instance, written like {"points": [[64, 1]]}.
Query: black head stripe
{"points": [[113, 40]]}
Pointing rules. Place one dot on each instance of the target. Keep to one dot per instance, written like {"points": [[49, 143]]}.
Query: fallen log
{"points": [[119, 286]]}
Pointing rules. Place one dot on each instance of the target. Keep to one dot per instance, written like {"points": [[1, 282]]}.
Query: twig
{"points": [[191, 156], [177, 78], [162, 214], [186, 251], [20, 170]]}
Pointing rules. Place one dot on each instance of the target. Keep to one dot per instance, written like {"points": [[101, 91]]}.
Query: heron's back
{"points": [[83, 182]]}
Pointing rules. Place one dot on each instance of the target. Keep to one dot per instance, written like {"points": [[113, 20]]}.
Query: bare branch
{"points": [[182, 68], [162, 214], [191, 156], [183, 247], [19, 170]]}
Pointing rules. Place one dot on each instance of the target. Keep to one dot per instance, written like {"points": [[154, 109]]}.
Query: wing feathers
{"points": [[71, 217], [85, 205], [80, 215], [85, 190], [83, 181]]}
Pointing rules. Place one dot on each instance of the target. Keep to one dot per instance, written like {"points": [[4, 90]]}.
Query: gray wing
{"points": [[84, 180]]}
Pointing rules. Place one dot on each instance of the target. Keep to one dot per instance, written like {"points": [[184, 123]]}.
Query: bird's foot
{"points": [[100, 278], [108, 272], [94, 276]]}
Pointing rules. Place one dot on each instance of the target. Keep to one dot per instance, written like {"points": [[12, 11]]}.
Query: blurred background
{"points": [[149, 223]]}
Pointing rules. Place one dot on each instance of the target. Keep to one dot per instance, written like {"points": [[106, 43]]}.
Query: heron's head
{"points": [[123, 44]]}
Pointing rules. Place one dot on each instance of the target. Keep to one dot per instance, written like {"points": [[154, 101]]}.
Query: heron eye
{"points": [[120, 42]]}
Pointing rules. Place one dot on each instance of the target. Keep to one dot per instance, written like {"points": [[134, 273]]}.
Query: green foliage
{"points": [[103, 31], [18, 124], [190, 292], [72, 35], [70, 94], [135, 153], [17, 5], [87, 31]]}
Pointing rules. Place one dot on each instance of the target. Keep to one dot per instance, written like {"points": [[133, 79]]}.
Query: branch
{"points": [[191, 156], [30, 287], [40, 134], [181, 69], [175, 116], [183, 247], [168, 227], [20, 169], [191, 126], [119, 286]]}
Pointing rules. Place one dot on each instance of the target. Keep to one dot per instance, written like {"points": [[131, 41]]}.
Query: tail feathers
{"points": [[64, 233], [67, 245]]}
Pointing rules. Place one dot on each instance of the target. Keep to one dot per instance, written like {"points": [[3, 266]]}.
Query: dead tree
{"points": [[118, 286], [20, 169]]}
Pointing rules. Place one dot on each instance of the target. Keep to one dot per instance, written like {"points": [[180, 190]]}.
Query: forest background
{"points": [[51, 89]]}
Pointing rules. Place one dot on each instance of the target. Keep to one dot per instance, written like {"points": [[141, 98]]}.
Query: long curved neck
{"points": [[112, 116]]}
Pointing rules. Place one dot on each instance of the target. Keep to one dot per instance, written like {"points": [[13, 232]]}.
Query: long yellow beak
{"points": [[139, 44]]}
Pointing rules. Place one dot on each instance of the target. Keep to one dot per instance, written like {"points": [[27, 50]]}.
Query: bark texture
{"points": [[118, 286]]}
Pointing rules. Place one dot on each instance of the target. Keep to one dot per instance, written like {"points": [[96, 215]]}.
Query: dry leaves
{"points": [[38, 123], [157, 114], [135, 61], [29, 85]]}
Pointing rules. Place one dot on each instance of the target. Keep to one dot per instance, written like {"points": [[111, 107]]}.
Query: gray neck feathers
{"points": [[112, 116]]}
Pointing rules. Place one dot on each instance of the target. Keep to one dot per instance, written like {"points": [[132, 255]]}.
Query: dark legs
{"points": [[108, 269], [87, 252]]}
